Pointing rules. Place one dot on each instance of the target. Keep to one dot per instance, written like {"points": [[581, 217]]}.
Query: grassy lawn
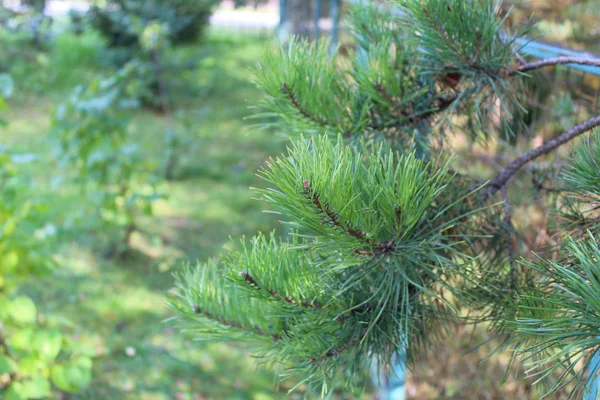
{"points": [[116, 307]]}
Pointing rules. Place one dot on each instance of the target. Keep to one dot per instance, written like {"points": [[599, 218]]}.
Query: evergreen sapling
{"points": [[388, 242]]}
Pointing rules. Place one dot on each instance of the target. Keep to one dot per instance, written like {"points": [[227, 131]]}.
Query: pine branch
{"points": [[304, 303], [304, 112], [332, 218], [504, 176], [443, 104], [553, 61], [337, 350], [233, 324], [384, 93], [444, 35]]}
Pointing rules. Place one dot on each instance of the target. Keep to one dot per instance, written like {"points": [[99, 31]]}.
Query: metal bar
{"points": [[282, 28], [539, 49], [592, 389], [334, 13], [316, 17], [390, 384]]}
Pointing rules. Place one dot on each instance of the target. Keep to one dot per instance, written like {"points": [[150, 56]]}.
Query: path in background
{"points": [[265, 16], [262, 17]]}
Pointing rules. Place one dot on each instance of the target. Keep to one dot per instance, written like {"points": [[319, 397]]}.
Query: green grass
{"points": [[116, 306]]}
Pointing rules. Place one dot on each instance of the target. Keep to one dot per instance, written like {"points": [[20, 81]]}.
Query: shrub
{"points": [[122, 21], [34, 354], [90, 137]]}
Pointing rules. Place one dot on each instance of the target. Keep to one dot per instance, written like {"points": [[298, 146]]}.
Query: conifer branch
{"points": [[332, 218], [561, 60], [233, 324], [304, 303], [504, 176], [303, 111], [384, 93], [337, 350], [442, 104], [443, 33]]}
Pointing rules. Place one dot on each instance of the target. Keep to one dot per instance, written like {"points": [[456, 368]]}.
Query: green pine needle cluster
{"points": [[307, 92], [558, 320], [371, 251]]}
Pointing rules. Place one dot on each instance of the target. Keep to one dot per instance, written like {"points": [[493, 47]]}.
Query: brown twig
{"points": [[442, 105], [233, 324], [504, 176], [332, 218], [336, 350], [561, 60], [304, 112], [383, 93], [304, 303]]}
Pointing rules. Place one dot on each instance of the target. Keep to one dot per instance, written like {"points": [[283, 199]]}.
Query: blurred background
{"points": [[105, 219]]}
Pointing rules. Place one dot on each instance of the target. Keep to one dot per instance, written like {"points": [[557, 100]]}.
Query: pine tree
{"points": [[388, 241]]}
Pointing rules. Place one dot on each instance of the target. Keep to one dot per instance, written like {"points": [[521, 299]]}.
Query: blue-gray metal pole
{"points": [[541, 50], [592, 390], [282, 28], [316, 17], [334, 14], [390, 384]]}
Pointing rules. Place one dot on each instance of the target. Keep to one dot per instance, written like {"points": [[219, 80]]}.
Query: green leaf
{"points": [[13, 393], [36, 388], [9, 261], [30, 365], [7, 365], [72, 376], [23, 311], [47, 344], [21, 340]]}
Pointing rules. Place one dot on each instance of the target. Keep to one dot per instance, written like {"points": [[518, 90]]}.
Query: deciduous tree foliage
{"points": [[387, 242], [90, 139], [35, 355]]}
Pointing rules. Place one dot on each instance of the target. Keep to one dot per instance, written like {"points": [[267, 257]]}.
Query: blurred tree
{"points": [[145, 32], [301, 18], [389, 238], [28, 25], [90, 139], [122, 21], [253, 3]]}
